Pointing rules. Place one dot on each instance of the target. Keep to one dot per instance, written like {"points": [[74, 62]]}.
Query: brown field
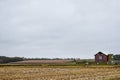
{"points": [[41, 62], [59, 73]]}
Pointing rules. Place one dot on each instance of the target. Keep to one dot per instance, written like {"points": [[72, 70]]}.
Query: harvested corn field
{"points": [[58, 73]]}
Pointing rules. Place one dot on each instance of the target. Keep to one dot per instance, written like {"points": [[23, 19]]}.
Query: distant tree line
{"points": [[50, 58], [4, 59], [116, 57]]}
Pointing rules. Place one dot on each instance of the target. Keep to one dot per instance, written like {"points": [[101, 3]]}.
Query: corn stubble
{"points": [[58, 73]]}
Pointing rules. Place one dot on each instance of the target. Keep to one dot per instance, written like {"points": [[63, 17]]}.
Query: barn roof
{"points": [[100, 53]]}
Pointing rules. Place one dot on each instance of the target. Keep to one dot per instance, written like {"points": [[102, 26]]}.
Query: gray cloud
{"points": [[53, 28]]}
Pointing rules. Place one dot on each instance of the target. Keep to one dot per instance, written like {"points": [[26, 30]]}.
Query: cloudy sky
{"points": [[59, 28]]}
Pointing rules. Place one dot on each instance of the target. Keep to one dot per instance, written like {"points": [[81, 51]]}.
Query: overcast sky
{"points": [[59, 28]]}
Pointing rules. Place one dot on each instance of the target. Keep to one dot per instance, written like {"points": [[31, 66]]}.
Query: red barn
{"points": [[101, 57]]}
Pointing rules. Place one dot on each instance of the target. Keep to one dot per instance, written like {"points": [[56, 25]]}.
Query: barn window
{"points": [[100, 57]]}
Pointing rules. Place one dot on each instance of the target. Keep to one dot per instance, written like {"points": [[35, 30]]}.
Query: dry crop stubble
{"points": [[58, 73]]}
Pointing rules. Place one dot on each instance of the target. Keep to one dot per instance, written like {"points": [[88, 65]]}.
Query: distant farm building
{"points": [[103, 58]]}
